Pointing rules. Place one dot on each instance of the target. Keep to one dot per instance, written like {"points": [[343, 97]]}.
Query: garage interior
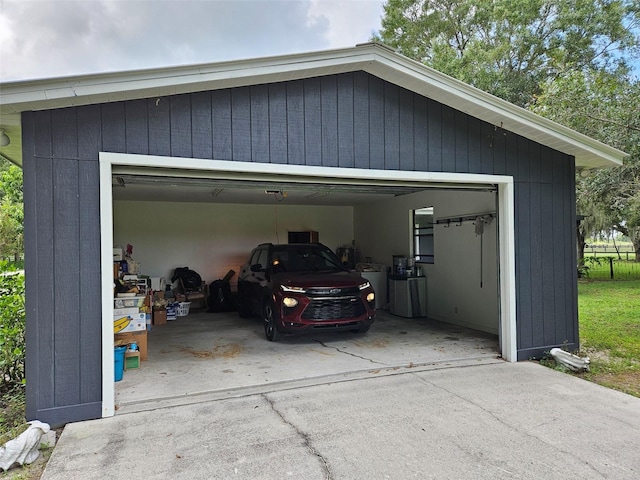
{"points": [[211, 224]]}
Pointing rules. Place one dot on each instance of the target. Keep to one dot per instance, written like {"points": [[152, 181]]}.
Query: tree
{"points": [[11, 212], [511, 47], [605, 106]]}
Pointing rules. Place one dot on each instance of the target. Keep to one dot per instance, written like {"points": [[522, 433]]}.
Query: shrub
{"points": [[12, 328]]}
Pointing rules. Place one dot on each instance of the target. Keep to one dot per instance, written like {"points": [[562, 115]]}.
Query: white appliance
{"points": [[376, 274]]}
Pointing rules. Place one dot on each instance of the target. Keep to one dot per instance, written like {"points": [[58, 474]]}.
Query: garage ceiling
{"points": [[204, 190], [201, 189]]}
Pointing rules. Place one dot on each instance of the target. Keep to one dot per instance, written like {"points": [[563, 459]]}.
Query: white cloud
{"points": [[67, 37]]}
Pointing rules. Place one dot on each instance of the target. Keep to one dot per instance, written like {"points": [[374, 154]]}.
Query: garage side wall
{"points": [[348, 120]]}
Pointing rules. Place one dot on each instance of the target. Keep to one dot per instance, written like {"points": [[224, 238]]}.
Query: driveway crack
{"points": [[348, 353], [328, 475]]}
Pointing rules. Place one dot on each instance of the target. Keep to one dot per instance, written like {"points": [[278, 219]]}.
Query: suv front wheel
{"points": [[271, 330]]}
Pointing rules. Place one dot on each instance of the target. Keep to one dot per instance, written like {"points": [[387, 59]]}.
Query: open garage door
{"points": [[247, 204]]}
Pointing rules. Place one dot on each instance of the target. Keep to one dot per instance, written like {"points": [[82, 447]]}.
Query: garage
{"points": [[395, 137], [231, 210]]}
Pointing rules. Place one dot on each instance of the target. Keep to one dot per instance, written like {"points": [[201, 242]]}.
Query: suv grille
{"points": [[325, 291], [334, 309]]}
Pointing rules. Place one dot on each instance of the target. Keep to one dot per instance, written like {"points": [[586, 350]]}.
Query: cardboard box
{"points": [[159, 316], [138, 322], [140, 338], [131, 360]]}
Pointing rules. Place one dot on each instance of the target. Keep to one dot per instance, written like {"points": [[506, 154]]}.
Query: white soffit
{"points": [[373, 58]]}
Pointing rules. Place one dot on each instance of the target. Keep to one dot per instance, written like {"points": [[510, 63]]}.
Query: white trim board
{"points": [[304, 174]]}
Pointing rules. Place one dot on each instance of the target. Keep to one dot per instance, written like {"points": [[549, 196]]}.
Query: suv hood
{"points": [[319, 279]]}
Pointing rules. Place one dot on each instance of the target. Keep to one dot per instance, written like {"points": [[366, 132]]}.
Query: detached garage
{"points": [[361, 140]]}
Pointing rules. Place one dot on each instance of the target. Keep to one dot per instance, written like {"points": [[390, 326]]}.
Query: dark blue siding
{"points": [[348, 120]]}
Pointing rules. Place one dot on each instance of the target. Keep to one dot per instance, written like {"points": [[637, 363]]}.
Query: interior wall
{"points": [[214, 238], [462, 284]]}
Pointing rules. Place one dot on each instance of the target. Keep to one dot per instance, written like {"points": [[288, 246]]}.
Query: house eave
{"points": [[374, 58]]}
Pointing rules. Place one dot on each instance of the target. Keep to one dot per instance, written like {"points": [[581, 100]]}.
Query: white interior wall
{"points": [[214, 238], [454, 293]]}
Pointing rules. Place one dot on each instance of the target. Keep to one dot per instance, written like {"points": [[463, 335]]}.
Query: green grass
{"points": [[609, 314]]}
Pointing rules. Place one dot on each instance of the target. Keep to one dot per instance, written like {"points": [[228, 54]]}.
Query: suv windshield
{"points": [[304, 259]]}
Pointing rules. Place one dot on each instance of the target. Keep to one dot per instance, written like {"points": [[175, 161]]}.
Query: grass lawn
{"points": [[609, 313]]}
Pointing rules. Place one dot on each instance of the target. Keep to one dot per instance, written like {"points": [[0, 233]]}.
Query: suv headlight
{"points": [[289, 302], [286, 288], [364, 286]]}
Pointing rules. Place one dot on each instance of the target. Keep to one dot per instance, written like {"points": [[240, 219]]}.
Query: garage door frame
{"points": [[299, 173]]}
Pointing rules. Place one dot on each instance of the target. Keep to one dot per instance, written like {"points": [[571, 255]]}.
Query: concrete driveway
{"points": [[481, 418], [219, 355]]}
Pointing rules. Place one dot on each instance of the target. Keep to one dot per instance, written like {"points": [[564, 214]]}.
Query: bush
{"points": [[12, 328]]}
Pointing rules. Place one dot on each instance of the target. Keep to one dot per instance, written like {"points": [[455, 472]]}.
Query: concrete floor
{"points": [[205, 356]]}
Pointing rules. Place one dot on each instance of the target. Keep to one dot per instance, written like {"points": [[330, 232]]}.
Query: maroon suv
{"points": [[298, 288]]}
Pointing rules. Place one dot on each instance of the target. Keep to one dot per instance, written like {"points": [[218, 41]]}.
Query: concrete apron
{"points": [[209, 356]]}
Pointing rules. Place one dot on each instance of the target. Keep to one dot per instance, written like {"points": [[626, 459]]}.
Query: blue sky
{"points": [[40, 39]]}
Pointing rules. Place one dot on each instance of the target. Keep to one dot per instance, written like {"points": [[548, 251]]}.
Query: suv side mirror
{"points": [[257, 268]]}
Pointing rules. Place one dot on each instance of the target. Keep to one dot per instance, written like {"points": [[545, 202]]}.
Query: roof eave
{"points": [[373, 58]]}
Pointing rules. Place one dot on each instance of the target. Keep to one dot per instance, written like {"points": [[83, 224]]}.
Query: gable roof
{"points": [[374, 58]]}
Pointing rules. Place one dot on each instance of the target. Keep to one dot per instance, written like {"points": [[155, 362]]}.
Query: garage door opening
{"points": [[370, 210]]}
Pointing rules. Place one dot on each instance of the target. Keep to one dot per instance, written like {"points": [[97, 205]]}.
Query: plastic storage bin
{"points": [[119, 362]]}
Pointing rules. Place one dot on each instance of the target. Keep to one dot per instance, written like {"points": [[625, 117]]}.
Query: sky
{"points": [[54, 38]]}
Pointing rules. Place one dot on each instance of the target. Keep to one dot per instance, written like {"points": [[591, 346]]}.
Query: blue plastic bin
{"points": [[119, 362]]}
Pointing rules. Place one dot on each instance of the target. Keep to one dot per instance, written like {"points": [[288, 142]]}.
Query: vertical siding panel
{"points": [[538, 230], [158, 114], [559, 273], [221, 117], [295, 122], [534, 162], [435, 136], [42, 131], [546, 164], [475, 145], [448, 139], [376, 123], [391, 127], [487, 151], [524, 159], [259, 123], [66, 268], [572, 293], [406, 128], [241, 124], [38, 226], [278, 123], [523, 265], [89, 132], [346, 123], [361, 115], [90, 304], [421, 133], [202, 125], [136, 127], [312, 122], [499, 145], [329, 117], [180, 118], [548, 278], [511, 155], [461, 139], [113, 131], [64, 126]]}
